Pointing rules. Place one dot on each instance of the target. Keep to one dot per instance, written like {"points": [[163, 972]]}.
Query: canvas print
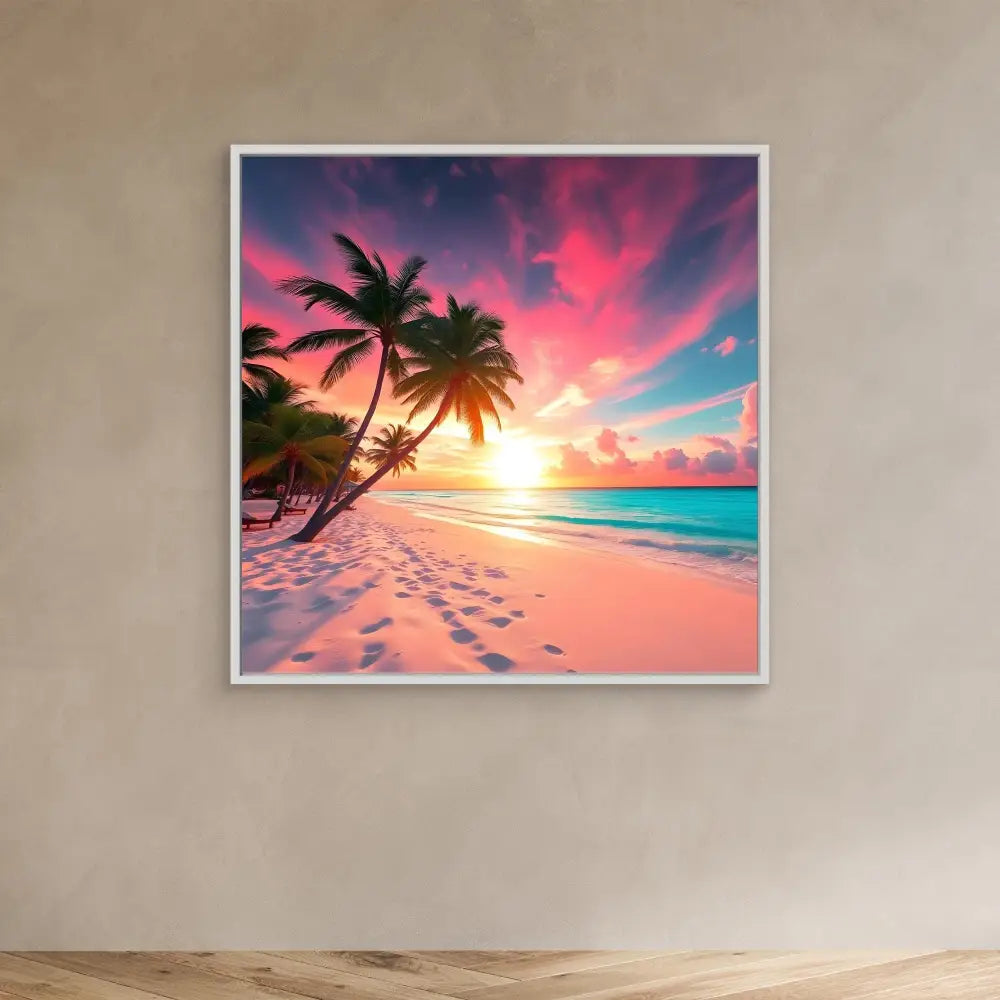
{"points": [[499, 414]]}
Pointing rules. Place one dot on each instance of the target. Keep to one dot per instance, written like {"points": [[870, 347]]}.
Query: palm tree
{"points": [[293, 439], [390, 445], [340, 424], [258, 342], [381, 310], [463, 367], [273, 390]]}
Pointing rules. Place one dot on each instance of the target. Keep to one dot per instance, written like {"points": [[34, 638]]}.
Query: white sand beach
{"points": [[384, 590]]}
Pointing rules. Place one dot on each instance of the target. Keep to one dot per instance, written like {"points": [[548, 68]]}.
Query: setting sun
{"points": [[517, 465]]}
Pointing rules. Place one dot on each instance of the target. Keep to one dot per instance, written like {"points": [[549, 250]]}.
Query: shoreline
{"points": [[631, 551], [392, 590]]}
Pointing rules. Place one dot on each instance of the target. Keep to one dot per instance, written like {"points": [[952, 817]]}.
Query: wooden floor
{"points": [[500, 975]]}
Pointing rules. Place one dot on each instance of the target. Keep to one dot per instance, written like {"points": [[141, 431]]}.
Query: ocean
{"points": [[710, 529]]}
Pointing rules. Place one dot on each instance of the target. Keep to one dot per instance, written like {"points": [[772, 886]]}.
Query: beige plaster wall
{"points": [[143, 802]]}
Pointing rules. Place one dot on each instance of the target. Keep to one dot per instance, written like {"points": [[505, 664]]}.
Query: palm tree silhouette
{"points": [[390, 446], [272, 391], [382, 311], [258, 342]]}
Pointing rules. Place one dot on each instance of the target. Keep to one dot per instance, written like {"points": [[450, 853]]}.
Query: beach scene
{"points": [[498, 416]]}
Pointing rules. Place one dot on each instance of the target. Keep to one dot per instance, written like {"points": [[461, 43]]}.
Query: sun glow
{"points": [[517, 465]]}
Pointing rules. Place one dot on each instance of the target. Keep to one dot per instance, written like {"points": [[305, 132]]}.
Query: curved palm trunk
{"points": [[389, 466], [283, 502], [318, 520]]}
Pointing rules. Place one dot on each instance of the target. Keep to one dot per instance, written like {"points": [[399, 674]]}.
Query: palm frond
{"points": [[480, 398], [322, 340], [315, 291], [358, 264], [257, 375], [257, 342], [260, 464], [397, 367], [345, 360]]}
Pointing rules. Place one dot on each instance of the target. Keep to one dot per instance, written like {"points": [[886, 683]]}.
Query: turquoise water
{"points": [[713, 529]]}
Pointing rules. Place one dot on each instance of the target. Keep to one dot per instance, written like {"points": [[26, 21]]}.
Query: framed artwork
{"points": [[499, 414]]}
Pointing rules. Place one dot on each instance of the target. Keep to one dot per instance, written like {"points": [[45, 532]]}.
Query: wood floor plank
{"points": [[754, 974], [660, 968], [940, 976], [274, 971], [402, 968], [535, 965], [25, 977], [152, 972], [470, 959]]}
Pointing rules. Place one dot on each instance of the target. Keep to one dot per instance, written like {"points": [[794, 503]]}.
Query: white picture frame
{"points": [[762, 675]]}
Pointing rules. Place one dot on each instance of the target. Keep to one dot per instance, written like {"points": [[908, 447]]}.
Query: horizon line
{"points": [[537, 489]]}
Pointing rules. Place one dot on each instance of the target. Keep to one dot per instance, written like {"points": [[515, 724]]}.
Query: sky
{"points": [[628, 286]]}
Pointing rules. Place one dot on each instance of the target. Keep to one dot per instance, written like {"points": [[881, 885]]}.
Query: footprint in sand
{"points": [[554, 650], [301, 657], [496, 599], [373, 651], [375, 626], [455, 585], [265, 596], [436, 602], [463, 636], [401, 593], [499, 621], [517, 614], [472, 609], [478, 646], [496, 662], [447, 616], [480, 593], [539, 595]]}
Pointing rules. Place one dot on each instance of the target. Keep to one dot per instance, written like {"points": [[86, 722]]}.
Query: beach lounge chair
{"points": [[295, 510], [249, 521]]}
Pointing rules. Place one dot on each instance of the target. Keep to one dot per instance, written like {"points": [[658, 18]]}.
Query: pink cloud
{"points": [[574, 462], [456, 171], [672, 458], [622, 462], [607, 441], [722, 462], [577, 466], [607, 444], [748, 418], [517, 228], [430, 196], [726, 347], [715, 441]]}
